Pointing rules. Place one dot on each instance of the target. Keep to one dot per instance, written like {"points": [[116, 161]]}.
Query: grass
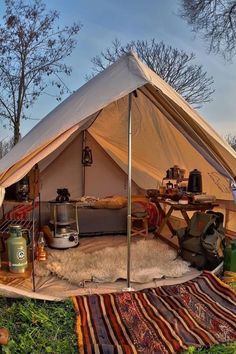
{"points": [[229, 348], [233, 286], [38, 327]]}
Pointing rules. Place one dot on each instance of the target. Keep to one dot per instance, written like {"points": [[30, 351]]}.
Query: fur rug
{"points": [[150, 259]]}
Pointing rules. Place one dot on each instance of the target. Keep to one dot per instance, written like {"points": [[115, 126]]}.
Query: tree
{"points": [[32, 53], [216, 20], [6, 145], [172, 65], [231, 140]]}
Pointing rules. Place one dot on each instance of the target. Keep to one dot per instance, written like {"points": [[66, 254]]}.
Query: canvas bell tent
{"points": [[165, 131], [137, 127]]}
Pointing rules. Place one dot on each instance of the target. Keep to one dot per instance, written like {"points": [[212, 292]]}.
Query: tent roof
{"points": [[82, 108], [118, 80]]}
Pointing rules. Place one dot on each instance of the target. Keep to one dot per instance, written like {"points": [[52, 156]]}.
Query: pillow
{"points": [[114, 202]]}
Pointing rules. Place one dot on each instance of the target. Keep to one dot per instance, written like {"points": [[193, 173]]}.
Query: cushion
{"points": [[113, 202]]}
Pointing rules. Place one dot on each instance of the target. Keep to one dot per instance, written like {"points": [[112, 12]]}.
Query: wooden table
{"points": [[182, 208]]}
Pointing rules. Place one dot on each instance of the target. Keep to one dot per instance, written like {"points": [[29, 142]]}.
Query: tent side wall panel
{"points": [[103, 178]]}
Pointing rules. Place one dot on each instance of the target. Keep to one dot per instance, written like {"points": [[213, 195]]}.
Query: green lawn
{"points": [[216, 349], [38, 327]]}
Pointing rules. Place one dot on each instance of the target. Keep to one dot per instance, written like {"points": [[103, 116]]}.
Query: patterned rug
{"points": [[168, 319]]}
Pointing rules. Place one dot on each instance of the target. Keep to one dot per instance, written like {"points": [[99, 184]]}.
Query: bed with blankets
{"points": [[97, 216], [109, 215]]}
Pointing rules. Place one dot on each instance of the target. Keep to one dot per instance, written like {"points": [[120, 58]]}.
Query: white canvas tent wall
{"points": [[165, 131], [103, 178]]}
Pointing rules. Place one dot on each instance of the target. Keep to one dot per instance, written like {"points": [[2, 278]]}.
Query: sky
{"points": [[104, 20]]}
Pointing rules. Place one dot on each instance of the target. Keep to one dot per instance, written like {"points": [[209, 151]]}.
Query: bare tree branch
{"points": [[215, 20], [172, 65], [32, 51], [231, 140]]}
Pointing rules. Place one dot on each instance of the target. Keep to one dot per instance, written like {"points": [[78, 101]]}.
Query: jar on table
{"points": [[169, 173], [175, 173], [181, 174], [169, 185], [162, 190]]}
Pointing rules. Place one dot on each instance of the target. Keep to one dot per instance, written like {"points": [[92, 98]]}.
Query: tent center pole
{"points": [[129, 191]]}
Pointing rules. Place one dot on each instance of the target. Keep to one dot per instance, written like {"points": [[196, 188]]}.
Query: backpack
{"points": [[202, 242]]}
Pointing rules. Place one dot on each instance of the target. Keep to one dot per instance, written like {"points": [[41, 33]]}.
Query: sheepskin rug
{"points": [[150, 259]]}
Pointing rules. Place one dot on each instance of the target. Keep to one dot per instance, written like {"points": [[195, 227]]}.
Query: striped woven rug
{"points": [[167, 319]]}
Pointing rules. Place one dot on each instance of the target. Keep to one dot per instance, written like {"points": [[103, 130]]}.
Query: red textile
{"points": [[163, 320], [153, 213], [20, 211]]}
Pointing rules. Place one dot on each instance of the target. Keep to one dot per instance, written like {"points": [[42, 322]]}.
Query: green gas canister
{"points": [[230, 256], [17, 249]]}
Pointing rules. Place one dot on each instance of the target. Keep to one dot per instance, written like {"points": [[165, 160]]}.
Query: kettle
{"points": [[17, 249], [195, 181]]}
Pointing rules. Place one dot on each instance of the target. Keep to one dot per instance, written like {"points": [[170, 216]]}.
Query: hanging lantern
{"points": [[87, 158]]}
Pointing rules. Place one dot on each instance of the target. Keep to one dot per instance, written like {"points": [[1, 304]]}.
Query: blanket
{"points": [[20, 211], [166, 319]]}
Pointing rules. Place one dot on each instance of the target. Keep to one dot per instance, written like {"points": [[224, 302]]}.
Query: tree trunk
{"points": [[1, 149], [16, 132]]}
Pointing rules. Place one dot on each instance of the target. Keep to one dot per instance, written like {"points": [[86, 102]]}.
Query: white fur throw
{"points": [[150, 259]]}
